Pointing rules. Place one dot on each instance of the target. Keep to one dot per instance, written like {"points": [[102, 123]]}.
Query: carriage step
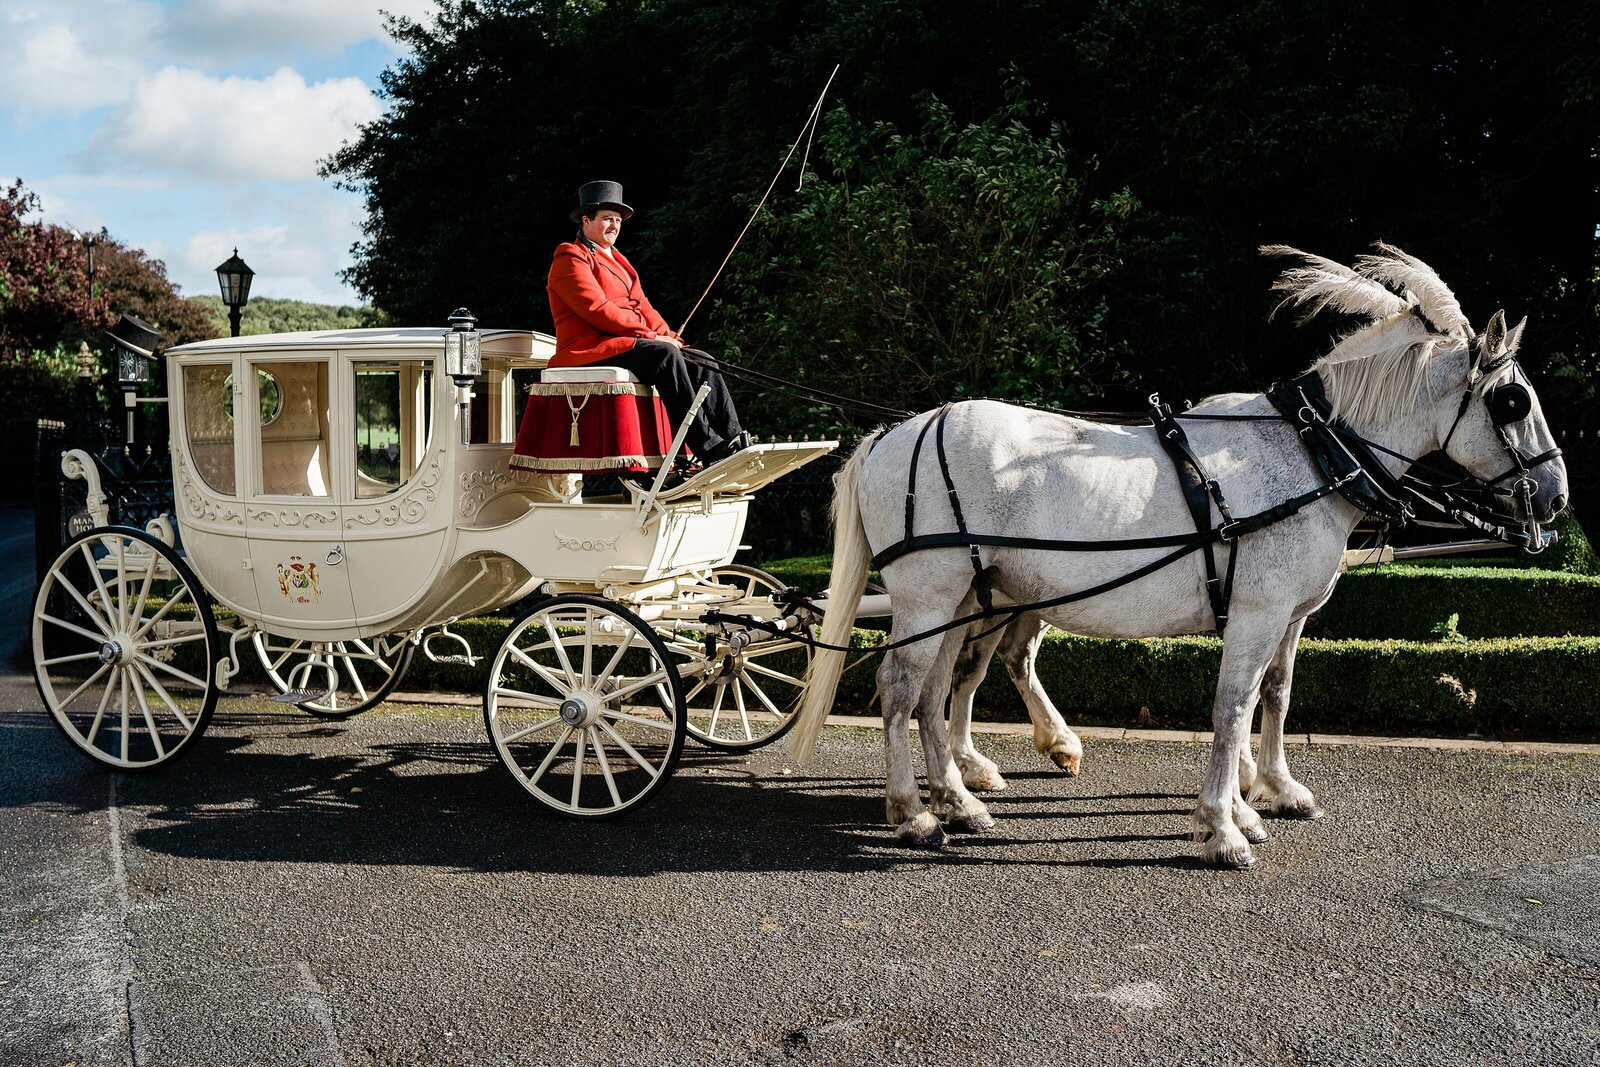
{"points": [[302, 696]]}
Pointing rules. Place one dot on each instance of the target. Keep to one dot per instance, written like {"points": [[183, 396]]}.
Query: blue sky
{"points": [[186, 127]]}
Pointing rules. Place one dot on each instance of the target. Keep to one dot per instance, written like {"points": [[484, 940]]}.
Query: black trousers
{"points": [[676, 379]]}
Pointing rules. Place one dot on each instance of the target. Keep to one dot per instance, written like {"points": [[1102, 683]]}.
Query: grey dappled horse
{"points": [[1407, 381]]}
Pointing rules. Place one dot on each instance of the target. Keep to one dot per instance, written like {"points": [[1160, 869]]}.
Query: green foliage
{"points": [[270, 315], [1405, 600], [1446, 630], [1572, 551], [958, 260]]}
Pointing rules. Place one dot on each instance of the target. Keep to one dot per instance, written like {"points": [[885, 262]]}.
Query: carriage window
{"points": [[294, 443], [392, 423], [496, 408], [266, 390], [208, 424]]}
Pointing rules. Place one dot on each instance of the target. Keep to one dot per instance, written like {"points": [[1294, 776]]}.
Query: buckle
{"points": [[1229, 532]]}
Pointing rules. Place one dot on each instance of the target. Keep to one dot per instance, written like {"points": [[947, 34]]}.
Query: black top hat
{"points": [[136, 336], [597, 195]]}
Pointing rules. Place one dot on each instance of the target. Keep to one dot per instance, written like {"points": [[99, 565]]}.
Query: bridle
{"points": [[1508, 404]]}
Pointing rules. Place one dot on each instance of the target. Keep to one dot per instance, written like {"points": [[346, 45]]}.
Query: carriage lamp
{"points": [[234, 278], [463, 361]]}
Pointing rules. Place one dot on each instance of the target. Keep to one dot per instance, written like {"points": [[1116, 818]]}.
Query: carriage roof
{"points": [[526, 344]]}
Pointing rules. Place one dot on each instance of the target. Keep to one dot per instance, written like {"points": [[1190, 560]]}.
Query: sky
{"points": [[187, 127]]}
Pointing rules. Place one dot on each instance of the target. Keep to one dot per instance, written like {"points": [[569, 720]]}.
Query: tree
{"points": [[44, 281], [958, 260]]}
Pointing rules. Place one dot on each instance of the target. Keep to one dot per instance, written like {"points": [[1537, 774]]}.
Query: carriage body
{"points": [[299, 521]]}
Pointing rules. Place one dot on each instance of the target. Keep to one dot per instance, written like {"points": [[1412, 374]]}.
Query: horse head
{"points": [[1497, 430]]}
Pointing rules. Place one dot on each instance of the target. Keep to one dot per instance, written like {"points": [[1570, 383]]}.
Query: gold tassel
{"points": [[573, 439], [576, 409]]}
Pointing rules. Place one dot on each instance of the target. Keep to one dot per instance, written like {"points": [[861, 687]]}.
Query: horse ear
{"points": [[1494, 336], [1514, 338]]}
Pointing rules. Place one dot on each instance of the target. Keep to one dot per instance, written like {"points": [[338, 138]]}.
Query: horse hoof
{"points": [[1235, 857], [1067, 761], [974, 823], [985, 781], [1256, 834], [921, 831], [1308, 810]]}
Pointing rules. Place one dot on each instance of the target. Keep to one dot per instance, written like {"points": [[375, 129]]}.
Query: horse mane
{"points": [[1374, 373]]}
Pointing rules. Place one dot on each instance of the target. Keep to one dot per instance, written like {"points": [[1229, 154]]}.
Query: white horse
{"points": [[1409, 382]]}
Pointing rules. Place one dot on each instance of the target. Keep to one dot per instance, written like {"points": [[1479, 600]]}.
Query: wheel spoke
{"points": [[762, 696], [166, 697], [99, 715], [150, 723], [151, 661], [577, 765], [97, 638], [588, 658], [768, 672], [605, 765], [123, 677], [744, 715], [527, 730], [550, 757], [171, 603], [635, 685], [616, 658], [622, 742], [546, 703], [104, 667], [144, 592], [716, 708], [550, 679], [653, 724], [107, 627], [768, 648], [75, 658], [122, 582], [355, 679], [561, 652], [111, 612]]}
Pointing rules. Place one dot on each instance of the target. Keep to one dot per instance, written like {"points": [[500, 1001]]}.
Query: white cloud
{"points": [[239, 26], [275, 128], [72, 55], [300, 261]]}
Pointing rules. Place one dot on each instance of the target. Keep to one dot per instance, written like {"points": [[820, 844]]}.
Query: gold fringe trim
{"points": [[588, 389], [607, 463]]}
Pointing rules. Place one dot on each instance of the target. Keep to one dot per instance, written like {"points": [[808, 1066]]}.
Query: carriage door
{"points": [[292, 514]]}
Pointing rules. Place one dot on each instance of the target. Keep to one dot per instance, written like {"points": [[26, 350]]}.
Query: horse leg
{"points": [[1222, 819], [1052, 737], [954, 806], [1288, 798], [902, 678], [977, 770]]}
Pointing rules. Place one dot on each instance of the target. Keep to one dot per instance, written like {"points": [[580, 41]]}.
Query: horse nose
{"points": [[1558, 504]]}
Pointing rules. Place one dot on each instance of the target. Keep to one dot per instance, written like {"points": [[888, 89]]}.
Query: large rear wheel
{"points": [[584, 707], [125, 648]]}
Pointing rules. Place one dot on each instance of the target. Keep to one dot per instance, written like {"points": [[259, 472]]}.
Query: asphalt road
{"points": [[295, 892]]}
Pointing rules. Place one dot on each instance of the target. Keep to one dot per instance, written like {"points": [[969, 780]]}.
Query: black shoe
{"points": [[727, 447]]}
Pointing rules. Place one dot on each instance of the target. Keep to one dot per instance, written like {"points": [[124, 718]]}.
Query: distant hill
{"points": [[266, 315]]}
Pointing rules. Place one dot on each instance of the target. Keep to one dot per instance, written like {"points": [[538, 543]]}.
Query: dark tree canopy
{"points": [[1464, 132]]}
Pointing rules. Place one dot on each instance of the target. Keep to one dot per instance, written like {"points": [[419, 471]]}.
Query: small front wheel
{"points": [[125, 648], [585, 707]]}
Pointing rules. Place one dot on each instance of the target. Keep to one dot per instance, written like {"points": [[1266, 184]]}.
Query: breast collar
{"points": [[1343, 457]]}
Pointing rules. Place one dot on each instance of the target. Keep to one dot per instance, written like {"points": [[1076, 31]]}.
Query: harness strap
{"points": [[911, 480], [1199, 492], [980, 581]]}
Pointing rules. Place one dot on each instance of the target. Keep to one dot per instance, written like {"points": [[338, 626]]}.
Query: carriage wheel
{"points": [[346, 677], [747, 698], [124, 648], [584, 706]]}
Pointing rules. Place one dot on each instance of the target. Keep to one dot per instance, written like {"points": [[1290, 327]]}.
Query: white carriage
{"points": [[334, 556]]}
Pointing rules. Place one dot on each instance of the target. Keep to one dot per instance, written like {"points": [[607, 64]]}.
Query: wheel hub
{"points": [[116, 650], [580, 709]]}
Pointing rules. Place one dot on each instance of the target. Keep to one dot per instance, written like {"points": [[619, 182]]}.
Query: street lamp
{"points": [[463, 361], [234, 278], [135, 341]]}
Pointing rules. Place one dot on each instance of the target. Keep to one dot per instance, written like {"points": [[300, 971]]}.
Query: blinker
{"points": [[1508, 403]]}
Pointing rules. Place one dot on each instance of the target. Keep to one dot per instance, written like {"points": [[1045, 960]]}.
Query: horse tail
{"points": [[851, 555]]}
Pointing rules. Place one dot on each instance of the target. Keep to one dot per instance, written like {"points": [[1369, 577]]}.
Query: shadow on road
{"points": [[450, 804]]}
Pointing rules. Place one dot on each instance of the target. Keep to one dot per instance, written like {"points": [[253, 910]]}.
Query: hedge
{"points": [[1409, 601], [1511, 687]]}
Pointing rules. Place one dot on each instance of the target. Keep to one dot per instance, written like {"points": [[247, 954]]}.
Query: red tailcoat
{"points": [[598, 304]]}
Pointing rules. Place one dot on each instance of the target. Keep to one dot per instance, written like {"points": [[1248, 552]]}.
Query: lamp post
{"points": [[463, 361], [234, 278]]}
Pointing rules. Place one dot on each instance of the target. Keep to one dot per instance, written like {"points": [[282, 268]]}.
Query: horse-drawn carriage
{"points": [[334, 560]]}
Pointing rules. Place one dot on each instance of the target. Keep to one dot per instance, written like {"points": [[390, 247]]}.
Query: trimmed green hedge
{"points": [[1519, 687], [1403, 600], [1409, 601]]}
